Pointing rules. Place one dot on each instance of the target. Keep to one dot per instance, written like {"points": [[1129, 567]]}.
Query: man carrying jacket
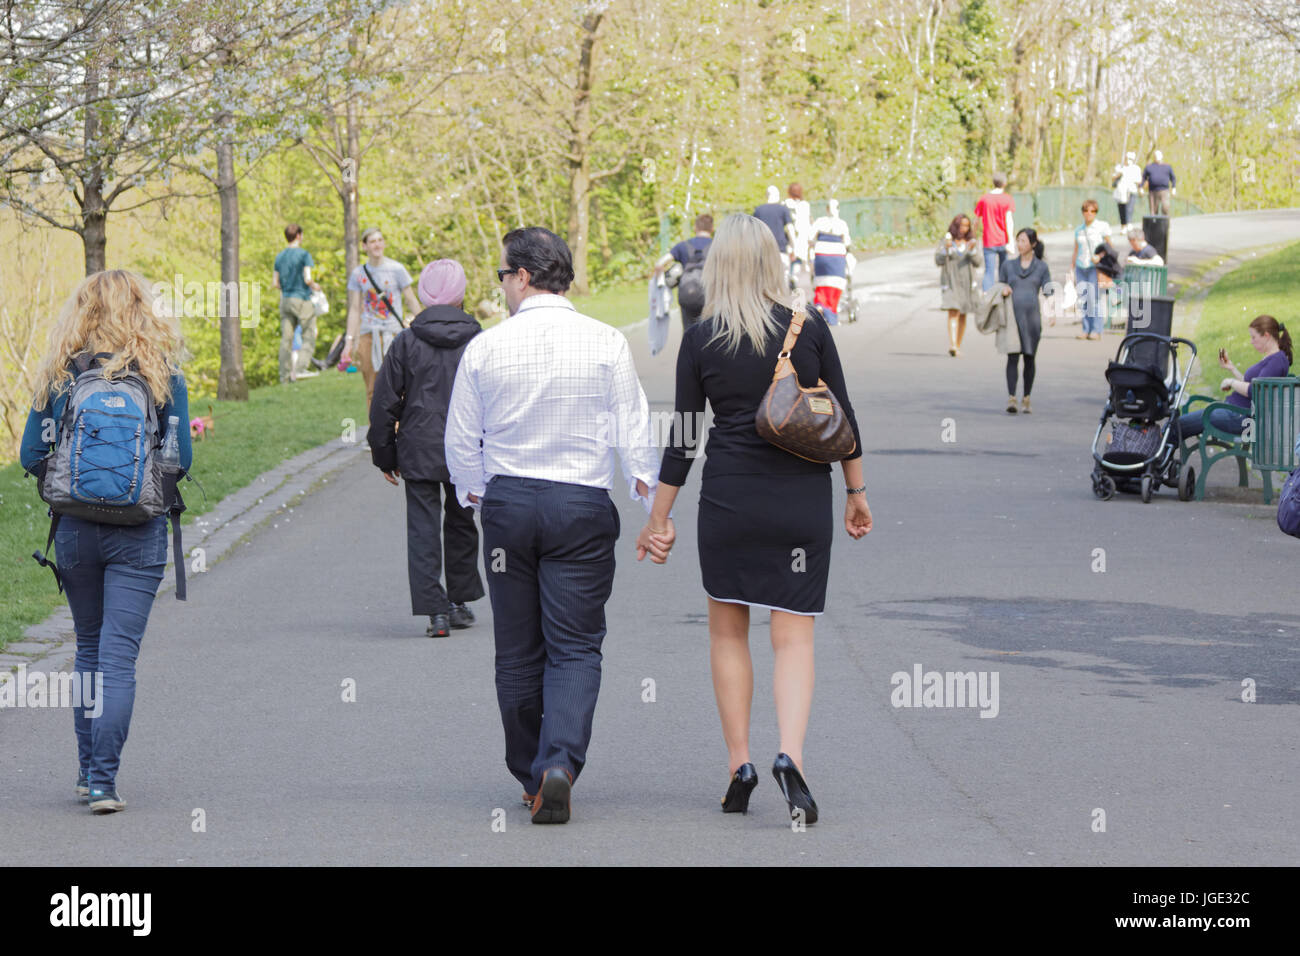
{"points": [[408, 416]]}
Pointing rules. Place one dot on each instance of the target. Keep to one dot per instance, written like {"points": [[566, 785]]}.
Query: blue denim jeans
{"points": [[1090, 305], [1225, 421], [110, 574], [993, 259]]}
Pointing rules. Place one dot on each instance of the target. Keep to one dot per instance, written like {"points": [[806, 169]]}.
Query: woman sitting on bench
{"points": [[1271, 340]]}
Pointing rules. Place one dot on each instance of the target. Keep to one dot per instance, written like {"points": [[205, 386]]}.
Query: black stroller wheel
{"points": [[1148, 485], [1104, 487], [1187, 484]]}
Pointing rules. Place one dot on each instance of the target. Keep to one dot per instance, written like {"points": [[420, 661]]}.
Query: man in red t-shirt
{"points": [[994, 210]]}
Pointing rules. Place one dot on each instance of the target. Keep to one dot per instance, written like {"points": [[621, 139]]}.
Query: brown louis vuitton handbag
{"points": [[807, 422]]}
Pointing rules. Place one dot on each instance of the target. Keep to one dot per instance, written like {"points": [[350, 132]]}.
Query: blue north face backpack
{"points": [[106, 466]]}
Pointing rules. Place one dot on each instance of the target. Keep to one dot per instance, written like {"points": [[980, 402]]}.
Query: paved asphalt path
{"points": [[1117, 690]]}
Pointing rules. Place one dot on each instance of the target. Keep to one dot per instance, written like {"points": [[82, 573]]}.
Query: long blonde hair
{"points": [[743, 279], [118, 313]]}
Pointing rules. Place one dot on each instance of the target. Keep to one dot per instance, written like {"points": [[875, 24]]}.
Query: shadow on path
{"points": [[1143, 643]]}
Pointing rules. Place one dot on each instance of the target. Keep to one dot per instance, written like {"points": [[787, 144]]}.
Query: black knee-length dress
{"points": [[766, 517]]}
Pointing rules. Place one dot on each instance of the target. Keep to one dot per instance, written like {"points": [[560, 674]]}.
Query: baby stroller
{"points": [[1147, 380], [849, 301]]}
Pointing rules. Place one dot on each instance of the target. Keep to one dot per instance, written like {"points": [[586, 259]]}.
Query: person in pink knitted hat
{"points": [[442, 282], [408, 416]]}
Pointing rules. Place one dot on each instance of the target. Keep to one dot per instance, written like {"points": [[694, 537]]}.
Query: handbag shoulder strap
{"points": [[796, 326]]}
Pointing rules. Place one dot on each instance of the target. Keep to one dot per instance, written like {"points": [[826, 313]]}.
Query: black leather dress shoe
{"points": [[551, 805], [795, 790], [743, 782]]}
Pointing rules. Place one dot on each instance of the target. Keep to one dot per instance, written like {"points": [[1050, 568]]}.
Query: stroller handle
{"points": [[1157, 337]]}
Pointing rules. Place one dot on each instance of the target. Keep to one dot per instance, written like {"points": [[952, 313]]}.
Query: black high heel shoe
{"points": [[795, 790], [743, 782]]}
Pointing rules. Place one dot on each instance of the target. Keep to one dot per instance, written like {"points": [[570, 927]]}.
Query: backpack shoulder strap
{"points": [[178, 555], [44, 559]]}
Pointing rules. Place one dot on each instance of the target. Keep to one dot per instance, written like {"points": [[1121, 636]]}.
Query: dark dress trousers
{"points": [[548, 548]]}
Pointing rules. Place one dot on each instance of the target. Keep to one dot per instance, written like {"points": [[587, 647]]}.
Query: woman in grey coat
{"points": [[959, 259], [1025, 277]]}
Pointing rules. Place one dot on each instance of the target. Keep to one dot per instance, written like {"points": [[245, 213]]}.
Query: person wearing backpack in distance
{"points": [[114, 355], [690, 253], [408, 420]]}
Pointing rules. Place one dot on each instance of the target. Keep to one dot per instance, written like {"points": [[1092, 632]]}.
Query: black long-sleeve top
{"points": [[734, 385]]}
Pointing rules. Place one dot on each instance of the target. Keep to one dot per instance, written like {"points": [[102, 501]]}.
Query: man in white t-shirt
{"points": [[377, 290], [1127, 180]]}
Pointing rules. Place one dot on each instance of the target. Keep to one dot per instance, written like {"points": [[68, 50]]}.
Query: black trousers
{"points": [[425, 548], [1012, 370], [549, 552]]}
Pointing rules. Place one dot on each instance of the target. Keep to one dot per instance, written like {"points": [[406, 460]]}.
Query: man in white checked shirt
{"points": [[540, 405]]}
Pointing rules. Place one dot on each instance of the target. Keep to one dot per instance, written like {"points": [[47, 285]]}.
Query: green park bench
{"points": [[1275, 424]]}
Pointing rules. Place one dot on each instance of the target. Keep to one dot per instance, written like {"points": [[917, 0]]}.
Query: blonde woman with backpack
{"points": [[111, 345]]}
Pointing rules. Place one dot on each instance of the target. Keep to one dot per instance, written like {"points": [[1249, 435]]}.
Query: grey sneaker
{"points": [[438, 626], [105, 801], [83, 785], [460, 617]]}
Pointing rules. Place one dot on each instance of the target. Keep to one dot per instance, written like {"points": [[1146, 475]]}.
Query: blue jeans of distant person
{"points": [[110, 574], [1193, 424], [1090, 303], [994, 256], [548, 547]]}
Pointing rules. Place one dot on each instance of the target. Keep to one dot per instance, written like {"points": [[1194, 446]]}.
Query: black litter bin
{"points": [[1156, 229], [1150, 313]]}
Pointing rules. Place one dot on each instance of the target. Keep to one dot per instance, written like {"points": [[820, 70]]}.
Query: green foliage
{"points": [[1270, 285]]}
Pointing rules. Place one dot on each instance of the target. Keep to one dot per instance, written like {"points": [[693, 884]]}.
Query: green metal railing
{"points": [[875, 217]]}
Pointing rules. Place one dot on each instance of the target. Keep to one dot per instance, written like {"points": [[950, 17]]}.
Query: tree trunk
{"points": [[231, 384], [1094, 106], [350, 180], [1017, 118], [579, 156], [1060, 155], [94, 219], [94, 215], [579, 221]]}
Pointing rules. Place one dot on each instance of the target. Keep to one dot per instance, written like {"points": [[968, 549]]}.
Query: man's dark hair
{"points": [[292, 232], [544, 254], [704, 223]]}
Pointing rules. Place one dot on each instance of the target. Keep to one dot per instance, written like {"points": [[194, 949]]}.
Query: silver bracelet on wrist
{"points": [[857, 491]]}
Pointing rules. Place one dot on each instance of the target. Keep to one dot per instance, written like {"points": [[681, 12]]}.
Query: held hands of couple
{"points": [[392, 476], [656, 542]]}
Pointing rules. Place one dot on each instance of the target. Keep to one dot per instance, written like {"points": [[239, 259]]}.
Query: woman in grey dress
{"points": [[958, 258], [1027, 276]]}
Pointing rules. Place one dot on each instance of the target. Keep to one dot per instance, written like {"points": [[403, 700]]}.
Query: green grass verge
{"points": [[618, 305], [1270, 285], [250, 438]]}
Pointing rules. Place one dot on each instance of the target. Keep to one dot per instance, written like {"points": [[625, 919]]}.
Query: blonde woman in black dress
{"points": [[766, 517]]}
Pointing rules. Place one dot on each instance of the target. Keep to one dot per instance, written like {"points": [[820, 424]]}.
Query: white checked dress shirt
{"points": [[549, 393]]}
